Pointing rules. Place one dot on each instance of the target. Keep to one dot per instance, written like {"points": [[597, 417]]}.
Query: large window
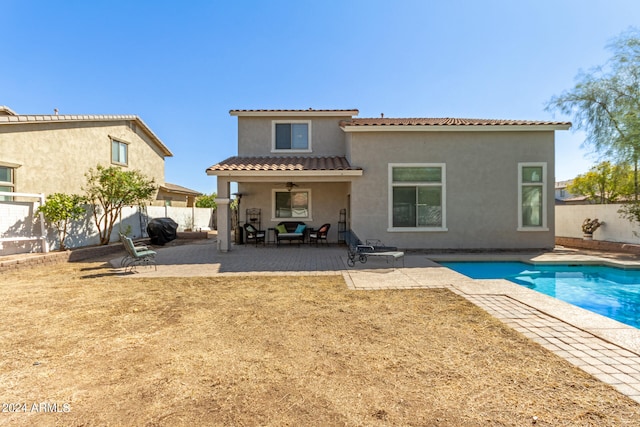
{"points": [[417, 196], [292, 136], [119, 152], [6, 181], [294, 204], [532, 192]]}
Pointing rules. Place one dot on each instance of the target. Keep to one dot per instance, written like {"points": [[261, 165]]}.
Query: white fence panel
{"points": [[569, 220], [17, 221], [22, 228], [187, 218]]}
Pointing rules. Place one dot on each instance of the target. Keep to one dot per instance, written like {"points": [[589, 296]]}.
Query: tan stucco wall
{"points": [[327, 199], [54, 157], [481, 186], [255, 133]]}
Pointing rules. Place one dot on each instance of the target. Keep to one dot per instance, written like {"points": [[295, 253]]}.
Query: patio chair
{"points": [[356, 251], [253, 234], [320, 235], [136, 255]]}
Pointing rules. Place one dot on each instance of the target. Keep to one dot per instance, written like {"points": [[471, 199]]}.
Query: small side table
{"points": [[271, 236]]}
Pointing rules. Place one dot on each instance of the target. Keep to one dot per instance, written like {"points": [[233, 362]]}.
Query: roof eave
{"points": [[271, 173], [456, 128], [177, 191], [39, 119], [165, 150], [8, 111], [294, 113]]}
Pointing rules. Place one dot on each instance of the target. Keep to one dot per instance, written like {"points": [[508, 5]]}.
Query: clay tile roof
{"points": [[12, 119], [347, 110], [283, 164], [310, 112], [446, 121], [173, 188]]}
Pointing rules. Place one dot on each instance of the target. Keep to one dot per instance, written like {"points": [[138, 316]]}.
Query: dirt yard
{"points": [[82, 346]]}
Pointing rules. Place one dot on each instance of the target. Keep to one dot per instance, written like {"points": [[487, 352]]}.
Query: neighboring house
{"points": [[417, 183], [52, 153], [564, 197], [175, 195]]}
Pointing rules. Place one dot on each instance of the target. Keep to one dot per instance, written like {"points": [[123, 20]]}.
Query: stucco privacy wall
{"points": [[569, 219], [481, 175], [17, 220], [255, 133], [186, 217], [66, 151]]}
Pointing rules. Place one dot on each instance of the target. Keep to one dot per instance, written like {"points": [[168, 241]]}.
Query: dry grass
{"points": [[275, 351]]}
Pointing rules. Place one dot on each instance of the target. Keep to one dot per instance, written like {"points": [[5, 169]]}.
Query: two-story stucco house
{"points": [[416, 183], [52, 153]]}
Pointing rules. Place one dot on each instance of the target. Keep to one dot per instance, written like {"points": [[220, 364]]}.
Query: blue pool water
{"points": [[612, 292]]}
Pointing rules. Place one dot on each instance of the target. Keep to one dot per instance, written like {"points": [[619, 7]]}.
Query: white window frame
{"points": [[297, 190], [442, 184], [290, 150], [10, 184], [543, 184], [119, 142]]}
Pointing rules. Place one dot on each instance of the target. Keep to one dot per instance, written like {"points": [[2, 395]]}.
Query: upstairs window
{"points": [[292, 136], [119, 152]]}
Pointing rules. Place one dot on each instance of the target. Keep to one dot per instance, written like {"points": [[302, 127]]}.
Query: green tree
{"points": [[110, 189], [59, 210], [206, 201], [605, 103], [604, 183]]}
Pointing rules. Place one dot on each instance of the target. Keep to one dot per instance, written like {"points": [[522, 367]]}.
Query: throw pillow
{"points": [[281, 228], [300, 228]]}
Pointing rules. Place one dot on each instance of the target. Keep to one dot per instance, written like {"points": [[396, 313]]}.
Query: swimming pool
{"points": [[608, 291]]}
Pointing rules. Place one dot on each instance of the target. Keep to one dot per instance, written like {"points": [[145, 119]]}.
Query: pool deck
{"points": [[605, 348]]}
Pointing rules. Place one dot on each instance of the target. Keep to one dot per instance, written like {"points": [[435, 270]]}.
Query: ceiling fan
{"points": [[290, 186]]}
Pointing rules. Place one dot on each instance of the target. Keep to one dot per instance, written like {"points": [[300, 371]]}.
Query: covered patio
{"points": [[313, 190]]}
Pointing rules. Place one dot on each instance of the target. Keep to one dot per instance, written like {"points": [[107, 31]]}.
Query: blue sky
{"points": [[181, 66]]}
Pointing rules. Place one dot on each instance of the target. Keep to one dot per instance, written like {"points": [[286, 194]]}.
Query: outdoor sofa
{"points": [[291, 231]]}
